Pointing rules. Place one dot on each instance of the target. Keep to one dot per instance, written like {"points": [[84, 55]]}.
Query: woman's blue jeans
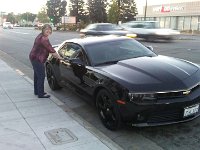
{"points": [[39, 76]]}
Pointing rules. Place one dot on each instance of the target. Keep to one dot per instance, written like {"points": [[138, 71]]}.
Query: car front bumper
{"points": [[162, 112]]}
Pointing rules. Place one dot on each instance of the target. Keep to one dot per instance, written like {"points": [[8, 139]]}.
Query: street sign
{"points": [[68, 19]]}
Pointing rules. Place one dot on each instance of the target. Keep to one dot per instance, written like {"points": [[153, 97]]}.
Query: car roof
{"points": [[100, 24], [7, 23], [96, 39], [141, 21]]}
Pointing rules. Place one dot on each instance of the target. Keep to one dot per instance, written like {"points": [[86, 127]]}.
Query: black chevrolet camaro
{"points": [[127, 82]]}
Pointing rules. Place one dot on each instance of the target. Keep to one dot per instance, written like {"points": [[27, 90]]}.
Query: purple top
{"points": [[41, 49]]}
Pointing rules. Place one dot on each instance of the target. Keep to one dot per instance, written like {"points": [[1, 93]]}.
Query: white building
{"points": [[181, 16]]}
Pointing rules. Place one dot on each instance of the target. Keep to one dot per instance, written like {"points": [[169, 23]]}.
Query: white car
{"points": [[7, 25], [150, 30]]}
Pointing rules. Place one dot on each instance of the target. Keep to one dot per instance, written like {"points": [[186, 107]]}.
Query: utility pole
{"points": [[2, 13], [27, 18], [145, 11], [119, 4], [77, 15]]}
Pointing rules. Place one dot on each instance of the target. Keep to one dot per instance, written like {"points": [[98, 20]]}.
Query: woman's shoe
{"points": [[44, 96], [37, 94]]}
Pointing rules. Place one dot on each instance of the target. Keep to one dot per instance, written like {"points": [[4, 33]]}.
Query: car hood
{"points": [[158, 73]]}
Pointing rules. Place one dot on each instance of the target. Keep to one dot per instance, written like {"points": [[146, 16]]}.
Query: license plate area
{"points": [[191, 110]]}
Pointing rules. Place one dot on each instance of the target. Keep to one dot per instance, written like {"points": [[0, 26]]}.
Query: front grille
{"points": [[169, 95], [177, 94], [168, 116], [165, 116]]}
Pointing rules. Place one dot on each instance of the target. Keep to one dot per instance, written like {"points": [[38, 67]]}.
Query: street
{"points": [[16, 44]]}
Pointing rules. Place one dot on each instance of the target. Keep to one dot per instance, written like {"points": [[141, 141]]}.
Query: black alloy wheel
{"points": [[53, 84], [107, 110]]}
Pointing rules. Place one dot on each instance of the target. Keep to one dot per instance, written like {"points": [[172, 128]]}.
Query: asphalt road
{"points": [[16, 44]]}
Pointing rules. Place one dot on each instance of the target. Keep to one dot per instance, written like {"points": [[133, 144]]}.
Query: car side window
{"points": [[72, 50], [139, 26], [91, 27], [79, 54], [68, 49], [99, 28]]}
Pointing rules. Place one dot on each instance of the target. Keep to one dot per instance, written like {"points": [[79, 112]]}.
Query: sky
{"points": [[21, 6], [34, 6]]}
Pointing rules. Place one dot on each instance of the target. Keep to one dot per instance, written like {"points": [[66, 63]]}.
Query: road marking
{"points": [[19, 32], [19, 72]]}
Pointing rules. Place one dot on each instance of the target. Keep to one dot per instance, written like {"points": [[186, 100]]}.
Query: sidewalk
{"points": [[30, 123]]}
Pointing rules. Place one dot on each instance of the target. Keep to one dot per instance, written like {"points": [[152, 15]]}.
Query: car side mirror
{"points": [[77, 61], [150, 47], [55, 46]]}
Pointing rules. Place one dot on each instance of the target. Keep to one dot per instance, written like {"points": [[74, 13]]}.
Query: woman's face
{"points": [[47, 32]]}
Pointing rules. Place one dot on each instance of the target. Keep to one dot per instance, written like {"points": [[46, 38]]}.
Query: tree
{"points": [[55, 10], [11, 18], [28, 16], [42, 16], [113, 12], [78, 9], [128, 10], [97, 10], [17, 18]]}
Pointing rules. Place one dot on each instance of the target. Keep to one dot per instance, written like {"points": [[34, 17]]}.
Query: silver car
{"points": [[150, 30]]}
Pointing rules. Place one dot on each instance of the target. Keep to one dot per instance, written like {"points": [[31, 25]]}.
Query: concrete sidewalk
{"points": [[30, 123]]}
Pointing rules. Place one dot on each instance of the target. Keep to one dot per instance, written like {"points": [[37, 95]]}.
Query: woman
{"points": [[38, 56]]}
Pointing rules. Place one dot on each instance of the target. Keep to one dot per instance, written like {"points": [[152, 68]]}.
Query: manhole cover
{"points": [[60, 136]]}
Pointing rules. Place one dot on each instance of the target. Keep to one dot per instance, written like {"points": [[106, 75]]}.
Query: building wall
{"points": [[181, 16]]}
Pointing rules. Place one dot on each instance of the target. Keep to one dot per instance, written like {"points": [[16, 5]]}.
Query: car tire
{"points": [[52, 81], [108, 110]]}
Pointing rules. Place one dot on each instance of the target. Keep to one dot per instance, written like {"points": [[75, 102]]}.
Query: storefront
{"points": [[181, 16]]}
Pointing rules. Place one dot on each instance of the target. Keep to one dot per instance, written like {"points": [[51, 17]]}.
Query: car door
{"points": [[72, 67]]}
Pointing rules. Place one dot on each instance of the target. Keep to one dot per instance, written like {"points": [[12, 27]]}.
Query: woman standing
{"points": [[38, 56]]}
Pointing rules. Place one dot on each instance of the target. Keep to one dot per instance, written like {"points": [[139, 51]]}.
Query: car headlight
{"points": [[135, 97], [131, 35]]}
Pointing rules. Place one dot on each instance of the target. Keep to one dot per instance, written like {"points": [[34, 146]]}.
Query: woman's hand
{"points": [[55, 55]]}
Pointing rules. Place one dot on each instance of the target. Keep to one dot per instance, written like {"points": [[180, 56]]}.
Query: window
{"points": [[187, 22], [194, 23], [68, 50], [116, 50], [71, 50]]}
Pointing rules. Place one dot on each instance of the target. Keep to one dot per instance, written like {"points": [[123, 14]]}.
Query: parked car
{"points": [[40, 25], [16, 25], [127, 82], [99, 29], [7, 25], [150, 30]]}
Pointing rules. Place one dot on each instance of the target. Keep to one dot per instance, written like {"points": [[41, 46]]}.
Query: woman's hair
{"points": [[45, 27]]}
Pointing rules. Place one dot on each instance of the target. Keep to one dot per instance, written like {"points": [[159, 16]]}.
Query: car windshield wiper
{"points": [[107, 62]]}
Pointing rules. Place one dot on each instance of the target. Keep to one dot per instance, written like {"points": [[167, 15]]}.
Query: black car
{"points": [[126, 81], [99, 29]]}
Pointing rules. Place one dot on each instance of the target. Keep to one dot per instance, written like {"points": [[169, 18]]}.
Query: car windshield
{"points": [[147, 25], [116, 50], [104, 27], [109, 27], [152, 25]]}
